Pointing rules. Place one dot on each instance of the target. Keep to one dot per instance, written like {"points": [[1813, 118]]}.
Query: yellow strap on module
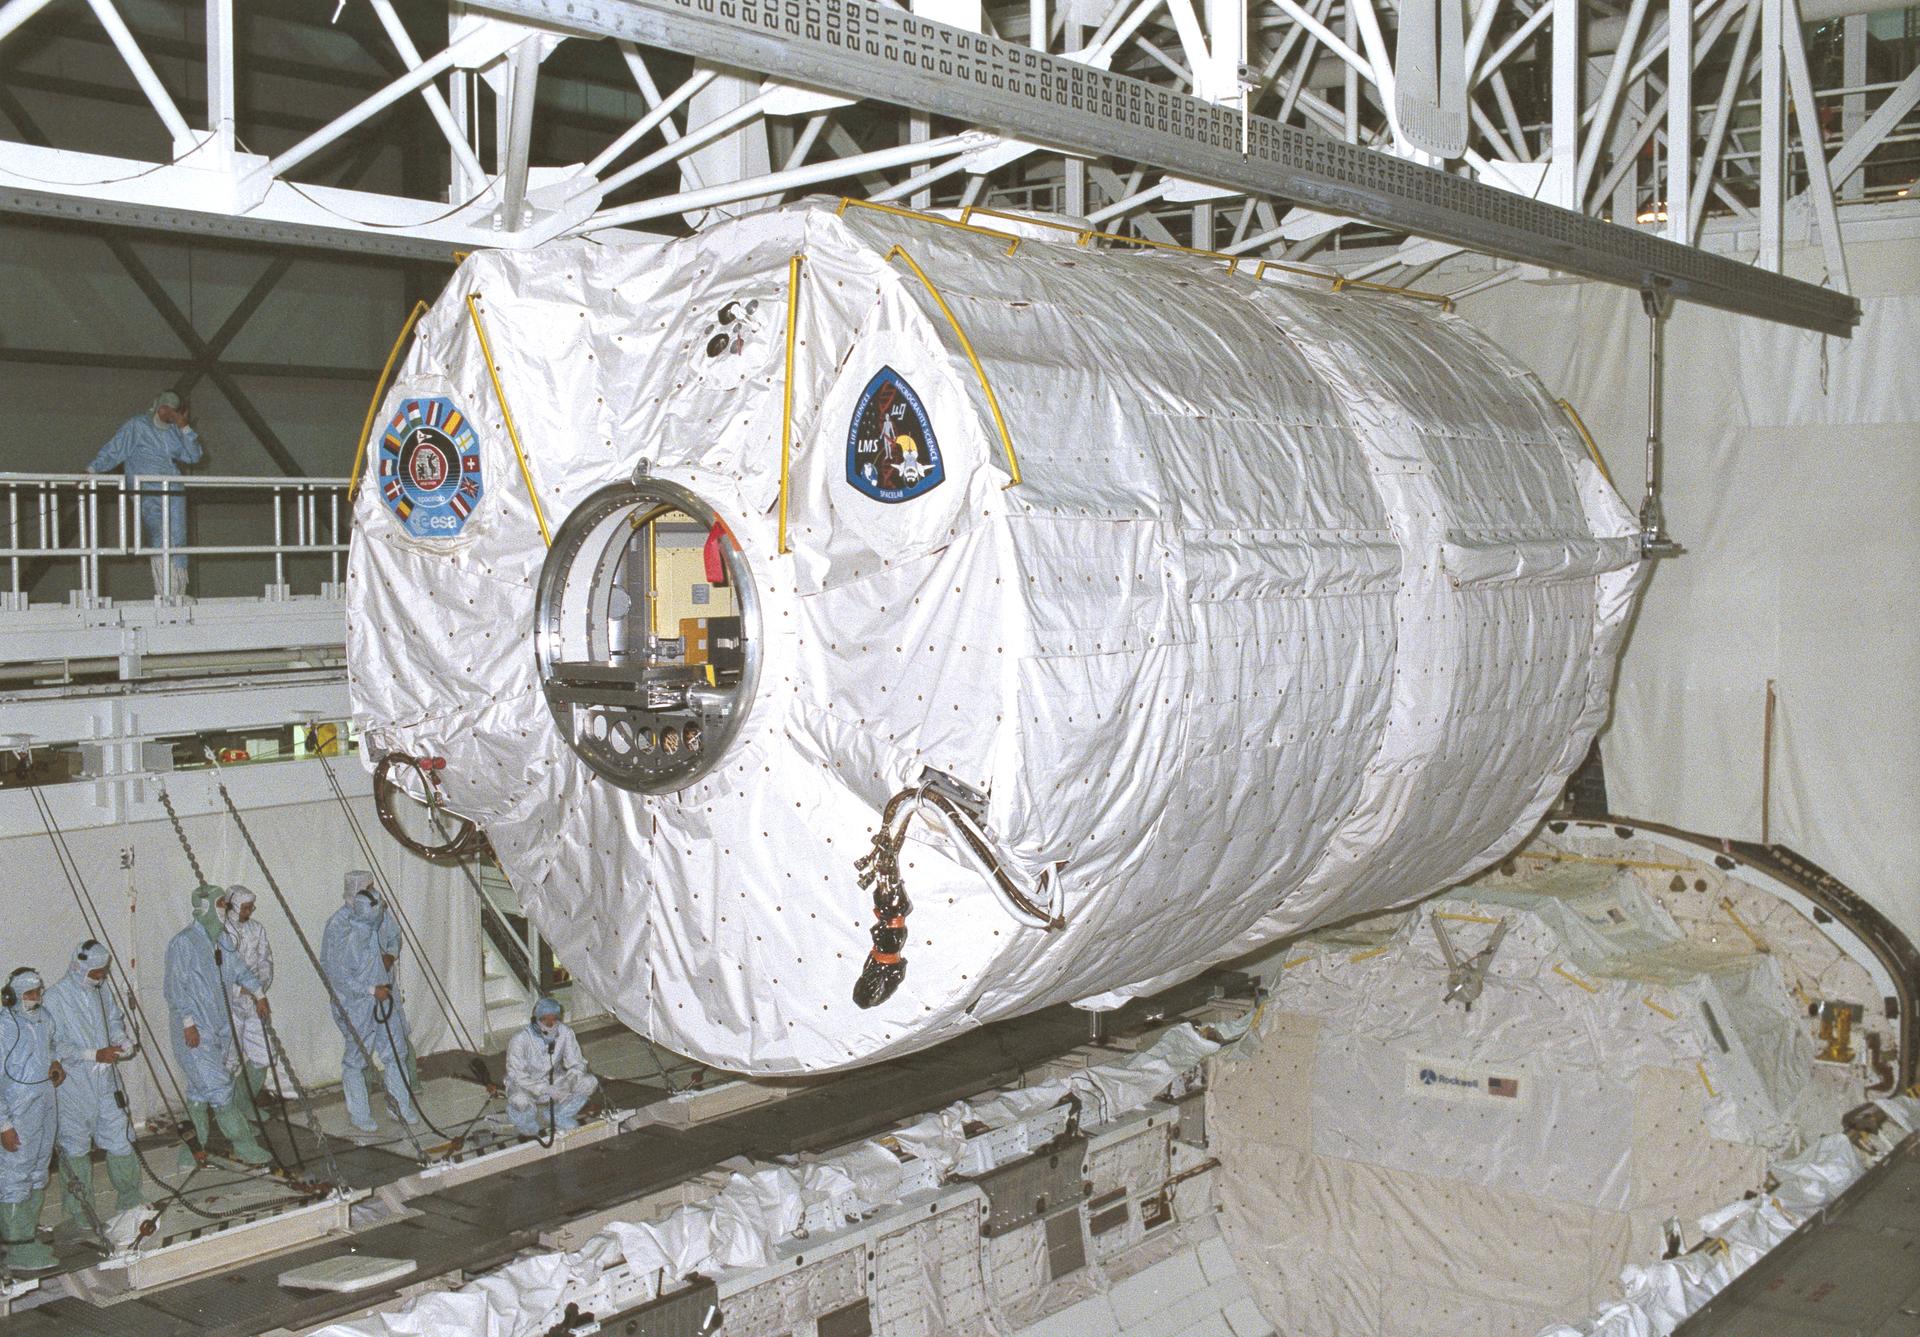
{"points": [[1593, 450], [786, 398], [1371, 953], [1569, 976], [1465, 918], [380, 393], [847, 202], [1648, 1000], [1760, 944], [513, 433], [1701, 1068], [966, 346]]}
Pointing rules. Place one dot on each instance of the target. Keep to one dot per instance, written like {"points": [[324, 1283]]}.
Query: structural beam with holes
{"points": [[865, 50]]}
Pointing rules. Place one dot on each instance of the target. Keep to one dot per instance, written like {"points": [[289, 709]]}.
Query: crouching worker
{"points": [[28, 1075], [547, 1079], [89, 1038]]}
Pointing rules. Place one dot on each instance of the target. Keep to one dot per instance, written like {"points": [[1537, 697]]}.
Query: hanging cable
{"points": [[137, 1018], [306, 945], [443, 996]]}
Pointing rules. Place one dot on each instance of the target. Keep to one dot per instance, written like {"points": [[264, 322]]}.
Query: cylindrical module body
{"points": [[1305, 603]]}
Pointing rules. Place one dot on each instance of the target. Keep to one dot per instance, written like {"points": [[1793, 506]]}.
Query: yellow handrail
{"points": [[380, 393], [1439, 299], [1013, 242], [1285, 268], [786, 401], [966, 346], [1233, 261], [513, 433], [1082, 235], [1593, 451], [972, 209]]}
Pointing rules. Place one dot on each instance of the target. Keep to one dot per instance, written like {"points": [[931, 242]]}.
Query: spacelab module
{"points": [[1181, 608]]}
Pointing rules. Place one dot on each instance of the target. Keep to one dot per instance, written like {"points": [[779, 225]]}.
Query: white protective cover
{"points": [[1400, 1166], [1306, 605]]}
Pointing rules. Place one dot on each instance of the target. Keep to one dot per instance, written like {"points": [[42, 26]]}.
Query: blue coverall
{"points": [[145, 447], [87, 1018], [352, 954]]}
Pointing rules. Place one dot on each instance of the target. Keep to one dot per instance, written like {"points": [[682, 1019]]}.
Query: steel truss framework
{"points": [[1259, 127]]}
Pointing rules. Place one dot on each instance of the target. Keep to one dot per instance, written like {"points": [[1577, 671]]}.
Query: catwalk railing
{"points": [[79, 538]]}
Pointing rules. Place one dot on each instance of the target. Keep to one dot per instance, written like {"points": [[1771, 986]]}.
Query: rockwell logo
{"points": [[1460, 1081]]}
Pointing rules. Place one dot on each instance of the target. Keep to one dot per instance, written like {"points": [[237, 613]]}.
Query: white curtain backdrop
{"points": [[1793, 479], [308, 845]]}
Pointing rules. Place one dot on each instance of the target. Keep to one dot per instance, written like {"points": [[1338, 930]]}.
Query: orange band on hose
{"points": [[885, 958]]}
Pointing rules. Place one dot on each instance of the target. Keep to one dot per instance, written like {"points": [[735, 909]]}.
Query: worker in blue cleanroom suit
{"points": [[202, 963], [156, 444], [28, 1075], [89, 1037], [357, 881], [547, 1079], [367, 1007]]}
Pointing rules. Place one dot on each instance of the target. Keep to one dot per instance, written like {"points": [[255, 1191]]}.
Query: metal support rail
{"points": [[91, 522], [865, 49]]}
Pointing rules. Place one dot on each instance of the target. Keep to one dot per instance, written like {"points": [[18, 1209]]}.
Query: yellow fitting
{"points": [[1593, 451], [379, 393], [786, 401], [1759, 943], [966, 346], [513, 433], [1013, 242], [1569, 976]]}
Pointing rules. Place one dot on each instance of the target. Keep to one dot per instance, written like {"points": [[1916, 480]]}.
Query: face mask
{"points": [[365, 911], [93, 983], [30, 1004]]}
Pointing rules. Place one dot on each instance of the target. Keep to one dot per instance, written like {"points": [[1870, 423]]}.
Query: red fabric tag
{"points": [[716, 559]]}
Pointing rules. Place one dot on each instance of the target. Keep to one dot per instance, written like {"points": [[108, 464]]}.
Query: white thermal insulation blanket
{"points": [[1305, 605], [1399, 1165]]}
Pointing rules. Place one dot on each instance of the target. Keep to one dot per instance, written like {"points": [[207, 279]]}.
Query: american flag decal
{"points": [[1503, 1086]]}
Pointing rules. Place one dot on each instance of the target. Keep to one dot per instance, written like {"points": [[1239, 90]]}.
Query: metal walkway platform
{"points": [[475, 1226], [1851, 1271]]}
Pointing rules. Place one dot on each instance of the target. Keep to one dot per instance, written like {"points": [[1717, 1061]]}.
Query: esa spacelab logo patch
{"points": [[430, 476], [892, 453]]}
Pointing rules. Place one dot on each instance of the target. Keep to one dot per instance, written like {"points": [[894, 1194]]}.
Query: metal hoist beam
{"points": [[862, 49]]}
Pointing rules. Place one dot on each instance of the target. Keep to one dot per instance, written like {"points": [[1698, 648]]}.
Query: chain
{"points": [[306, 945], [166, 802], [277, 1053]]}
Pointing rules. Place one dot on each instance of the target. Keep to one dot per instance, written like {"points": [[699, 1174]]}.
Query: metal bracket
{"points": [[1657, 299], [1034, 1186]]}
